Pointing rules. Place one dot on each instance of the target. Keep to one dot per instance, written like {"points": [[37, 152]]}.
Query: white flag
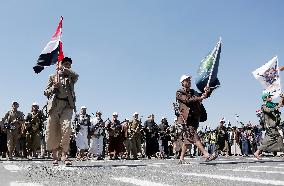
{"points": [[268, 76]]}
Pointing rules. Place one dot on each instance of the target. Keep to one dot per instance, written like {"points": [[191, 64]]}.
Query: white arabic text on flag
{"points": [[268, 76]]}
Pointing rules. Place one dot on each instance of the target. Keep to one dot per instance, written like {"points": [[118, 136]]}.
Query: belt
{"points": [[63, 99]]}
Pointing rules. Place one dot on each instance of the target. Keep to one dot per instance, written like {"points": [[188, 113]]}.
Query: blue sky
{"points": [[131, 54]]}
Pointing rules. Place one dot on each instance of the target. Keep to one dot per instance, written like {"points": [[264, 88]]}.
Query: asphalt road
{"points": [[155, 172]]}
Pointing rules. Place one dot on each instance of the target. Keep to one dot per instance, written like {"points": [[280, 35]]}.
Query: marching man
{"points": [[98, 134], [83, 123]]}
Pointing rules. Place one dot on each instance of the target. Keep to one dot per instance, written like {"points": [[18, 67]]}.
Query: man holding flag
{"points": [[191, 110], [268, 75], [61, 97], [189, 115], [60, 106]]}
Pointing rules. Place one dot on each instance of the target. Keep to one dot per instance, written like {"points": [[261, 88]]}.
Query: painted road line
{"points": [[153, 165], [266, 166], [6, 162], [255, 171], [240, 179], [138, 182], [222, 159], [121, 167], [159, 163], [38, 162], [98, 161], [12, 168], [137, 160], [24, 184], [263, 158], [63, 167], [224, 162]]}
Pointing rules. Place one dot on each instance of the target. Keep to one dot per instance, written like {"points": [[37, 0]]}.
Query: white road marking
{"points": [[170, 159], [189, 163], [63, 167], [263, 158], [240, 179], [266, 166], [217, 161], [138, 182], [24, 184], [256, 171], [6, 162], [12, 168], [153, 165], [159, 163], [39, 162], [99, 161], [121, 167], [137, 160], [222, 159]]}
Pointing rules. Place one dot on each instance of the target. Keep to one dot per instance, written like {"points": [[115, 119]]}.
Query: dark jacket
{"points": [[190, 107]]}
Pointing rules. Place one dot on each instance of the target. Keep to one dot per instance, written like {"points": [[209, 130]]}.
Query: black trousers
{"points": [[3, 143], [152, 145]]}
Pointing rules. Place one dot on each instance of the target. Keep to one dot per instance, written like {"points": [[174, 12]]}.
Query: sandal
{"points": [[67, 162], [211, 158], [55, 163]]}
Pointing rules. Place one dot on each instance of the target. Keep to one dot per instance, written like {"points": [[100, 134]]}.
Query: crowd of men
{"points": [[93, 137], [20, 135], [235, 141], [90, 137], [55, 134]]}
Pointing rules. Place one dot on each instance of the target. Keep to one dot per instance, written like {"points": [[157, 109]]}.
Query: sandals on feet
{"points": [[55, 163], [211, 157], [67, 162], [85, 158]]}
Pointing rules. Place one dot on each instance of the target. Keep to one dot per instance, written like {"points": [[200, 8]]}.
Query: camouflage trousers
{"points": [[12, 137], [189, 135], [33, 141]]}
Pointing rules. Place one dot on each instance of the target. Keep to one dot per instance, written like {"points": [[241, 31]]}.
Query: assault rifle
{"points": [[11, 125]]}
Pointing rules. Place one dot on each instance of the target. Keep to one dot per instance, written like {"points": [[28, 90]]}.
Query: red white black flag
{"points": [[52, 52]]}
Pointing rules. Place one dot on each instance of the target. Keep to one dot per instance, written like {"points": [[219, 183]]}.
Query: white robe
{"points": [[82, 138], [96, 143], [235, 148]]}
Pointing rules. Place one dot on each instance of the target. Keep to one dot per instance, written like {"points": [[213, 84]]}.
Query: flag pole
{"points": [[210, 75], [237, 118], [57, 68], [278, 72]]}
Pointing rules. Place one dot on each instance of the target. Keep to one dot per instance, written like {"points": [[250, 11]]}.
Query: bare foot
{"points": [[207, 155], [257, 156], [211, 157], [55, 163]]}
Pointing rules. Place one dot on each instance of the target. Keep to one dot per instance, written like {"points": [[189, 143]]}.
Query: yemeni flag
{"points": [[208, 70], [52, 52]]}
